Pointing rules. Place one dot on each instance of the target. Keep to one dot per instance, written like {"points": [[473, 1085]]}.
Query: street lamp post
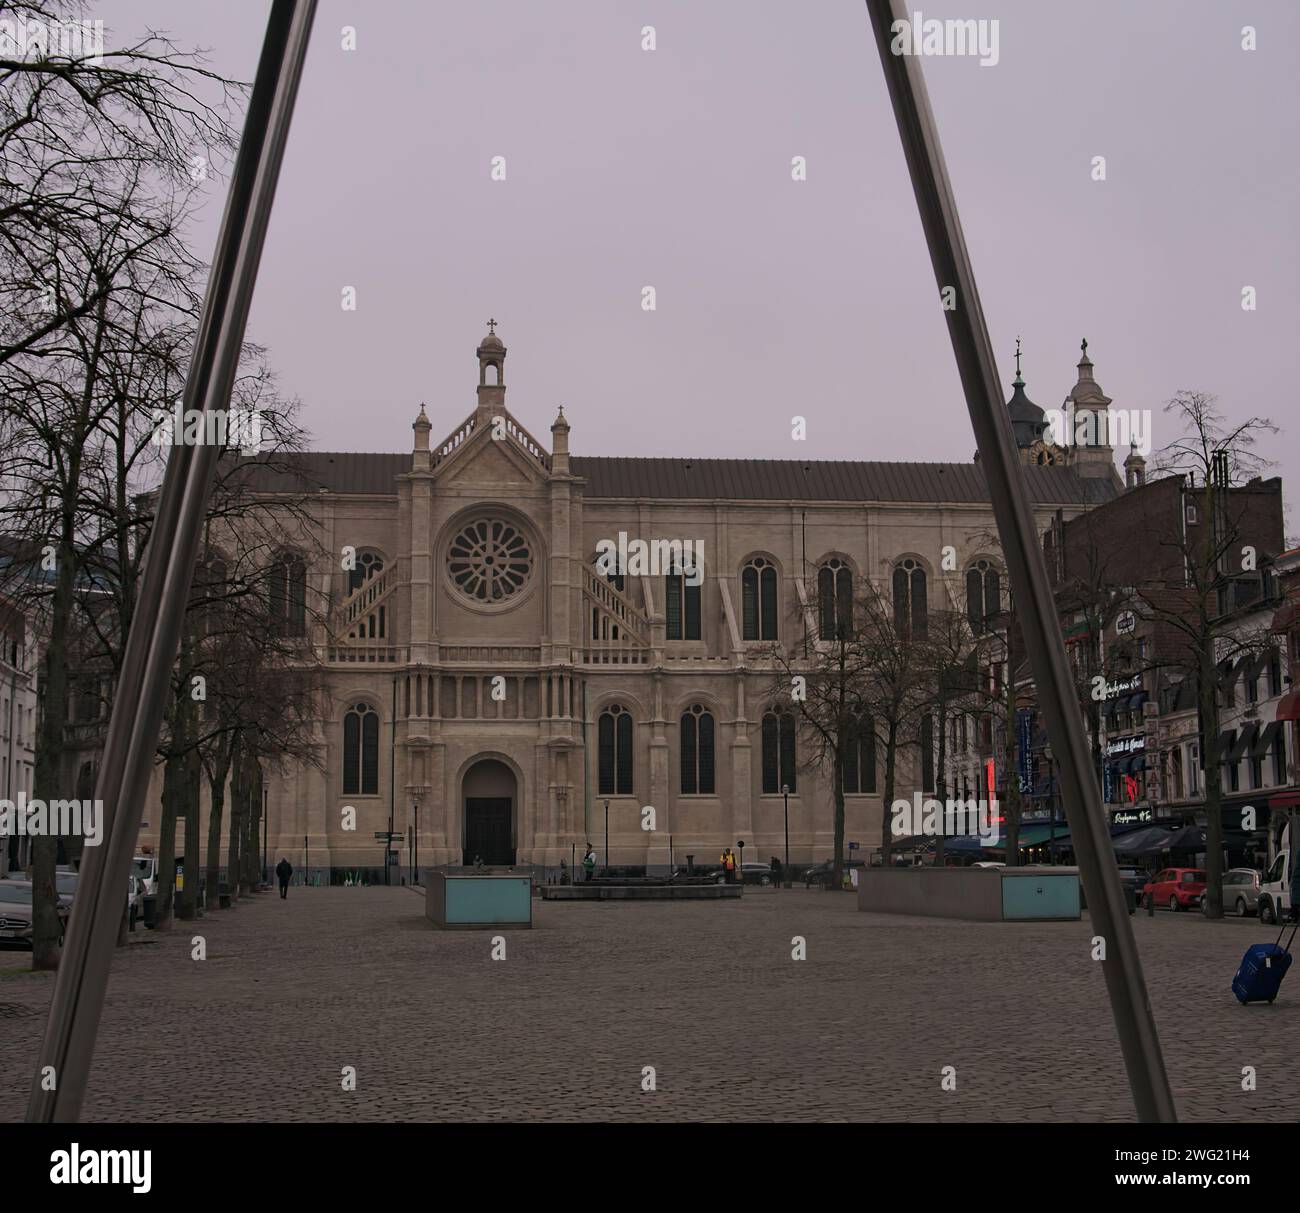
{"points": [[266, 879], [785, 792], [417, 792]]}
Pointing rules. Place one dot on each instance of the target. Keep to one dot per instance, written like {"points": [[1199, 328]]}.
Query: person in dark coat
{"points": [[283, 870]]}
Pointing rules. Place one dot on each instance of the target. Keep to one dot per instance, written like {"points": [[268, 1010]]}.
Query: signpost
{"points": [[388, 837]]}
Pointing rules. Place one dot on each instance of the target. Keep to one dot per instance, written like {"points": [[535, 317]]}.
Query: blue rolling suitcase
{"points": [[1262, 970]]}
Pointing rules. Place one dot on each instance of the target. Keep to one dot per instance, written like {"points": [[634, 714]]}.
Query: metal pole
{"points": [[1000, 464], [607, 838], [144, 685], [785, 792]]}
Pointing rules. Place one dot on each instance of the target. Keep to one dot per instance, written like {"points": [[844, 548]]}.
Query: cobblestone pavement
{"points": [[706, 993]]}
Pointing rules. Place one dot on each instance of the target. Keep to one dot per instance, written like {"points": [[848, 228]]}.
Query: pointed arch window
{"points": [[983, 595], [697, 751], [614, 751], [835, 599], [361, 751], [860, 758], [927, 753], [911, 614], [778, 751], [758, 599], [682, 605], [288, 595]]}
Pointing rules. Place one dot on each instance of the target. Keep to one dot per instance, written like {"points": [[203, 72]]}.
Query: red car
{"points": [[1177, 888]]}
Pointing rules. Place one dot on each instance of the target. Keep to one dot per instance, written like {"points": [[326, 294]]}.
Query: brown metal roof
{"points": [[704, 479]]}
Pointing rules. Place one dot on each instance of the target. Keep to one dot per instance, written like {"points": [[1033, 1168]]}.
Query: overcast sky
{"points": [[671, 168]]}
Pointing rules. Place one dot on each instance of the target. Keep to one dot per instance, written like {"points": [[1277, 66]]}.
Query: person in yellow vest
{"points": [[729, 865]]}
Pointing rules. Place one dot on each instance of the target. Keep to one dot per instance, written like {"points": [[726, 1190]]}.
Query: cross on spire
{"points": [[1017, 357], [492, 328]]}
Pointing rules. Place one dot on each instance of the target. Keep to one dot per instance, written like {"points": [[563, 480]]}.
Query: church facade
{"points": [[500, 689]]}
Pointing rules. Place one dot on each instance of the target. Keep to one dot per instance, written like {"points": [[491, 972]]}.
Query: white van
{"points": [[1275, 892], [145, 867]]}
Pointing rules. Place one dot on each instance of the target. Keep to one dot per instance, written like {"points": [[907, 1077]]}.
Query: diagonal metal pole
{"points": [[63, 1066], [1125, 984]]}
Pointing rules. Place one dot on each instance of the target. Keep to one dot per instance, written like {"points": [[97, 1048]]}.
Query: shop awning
{"points": [[1148, 840], [1288, 707]]}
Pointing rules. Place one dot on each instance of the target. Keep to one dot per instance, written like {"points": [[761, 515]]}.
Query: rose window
{"points": [[489, 560]]}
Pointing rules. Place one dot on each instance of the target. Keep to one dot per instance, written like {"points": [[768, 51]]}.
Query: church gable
{"points": [[491, 450]]}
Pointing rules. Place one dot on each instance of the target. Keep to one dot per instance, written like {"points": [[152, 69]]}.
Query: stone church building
{"points": [[491, 682]]}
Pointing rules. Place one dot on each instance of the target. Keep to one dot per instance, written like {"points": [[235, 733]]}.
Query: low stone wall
{"points": [[972, 893], [597, 891]]}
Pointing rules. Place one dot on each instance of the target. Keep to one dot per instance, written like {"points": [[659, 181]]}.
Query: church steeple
{"points": [[1088, 408], [420, 453], [491, 356], [1028, 421]]}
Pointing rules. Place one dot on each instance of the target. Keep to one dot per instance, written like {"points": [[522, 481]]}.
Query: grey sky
{"points": [[775, 298]]}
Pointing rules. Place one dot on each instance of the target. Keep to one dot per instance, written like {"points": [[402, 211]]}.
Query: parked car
{"points": [[820, 876], [16, 913], [987, 863], [1241, 890], [1177, 888], [65, 880], [1275, 893]]}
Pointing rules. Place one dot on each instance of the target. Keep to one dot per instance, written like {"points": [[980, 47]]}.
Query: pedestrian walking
{"points": [[283, 870], [589, 862], [776, 871], [728, 860]]}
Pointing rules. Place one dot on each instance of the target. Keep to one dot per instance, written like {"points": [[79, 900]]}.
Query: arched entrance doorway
{"points": [[488, 792]]}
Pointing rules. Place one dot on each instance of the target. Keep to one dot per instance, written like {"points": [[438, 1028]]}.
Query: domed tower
{"points": [[1029, 424]]}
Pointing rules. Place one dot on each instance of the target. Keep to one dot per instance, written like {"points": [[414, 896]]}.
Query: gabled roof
{"points": [[614, 477]]}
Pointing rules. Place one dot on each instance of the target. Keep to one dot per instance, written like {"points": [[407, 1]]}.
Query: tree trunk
{"points": [[236, 836], [217, 797], [173, 799], [837, 786], [258, 862], [1207, 691], [891, 754], [189, 907], [54, 693], [941, 781]]}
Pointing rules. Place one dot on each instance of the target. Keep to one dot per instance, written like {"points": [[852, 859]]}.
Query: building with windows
{"points": [[17, 724], [518, 639]]}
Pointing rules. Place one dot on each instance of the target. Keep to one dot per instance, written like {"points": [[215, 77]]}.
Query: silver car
{"points": [[16, 913], [1241, 889]]}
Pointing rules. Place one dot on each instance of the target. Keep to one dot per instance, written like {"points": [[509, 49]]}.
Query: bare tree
{"points": [[1215, 554]]}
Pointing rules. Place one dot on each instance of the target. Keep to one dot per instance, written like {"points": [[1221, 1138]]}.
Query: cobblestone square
{"points": [[706, 993]]}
